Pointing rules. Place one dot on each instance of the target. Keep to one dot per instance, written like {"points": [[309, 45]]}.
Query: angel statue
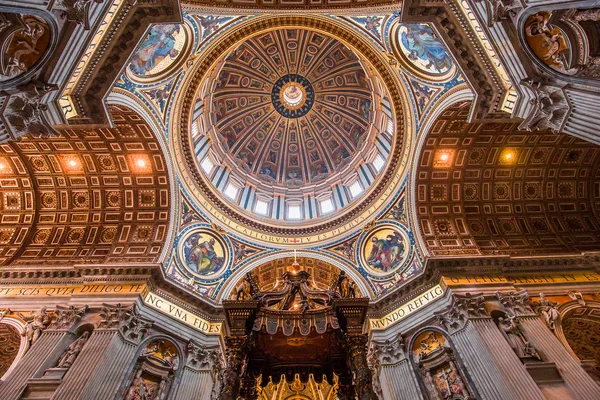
{"points": [[35, 323]]}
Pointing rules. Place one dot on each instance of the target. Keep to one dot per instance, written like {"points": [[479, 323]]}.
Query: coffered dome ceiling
{"points": [[294, 126], [292, 108]]}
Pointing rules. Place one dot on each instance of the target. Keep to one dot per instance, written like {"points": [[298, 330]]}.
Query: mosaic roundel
{"points": [[422, 48], [203, 253], [384, 250], [292, 96], [163, 46]]}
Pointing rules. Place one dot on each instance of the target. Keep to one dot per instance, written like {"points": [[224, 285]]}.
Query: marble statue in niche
{"points": [[438, 368], [448, 383], [513, 332], [24, 40], [69, 356], [155, 370]]}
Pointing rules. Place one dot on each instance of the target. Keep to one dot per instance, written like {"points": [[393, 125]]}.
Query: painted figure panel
{"points": [[203, 253], [161, 48], [384, 250], [422, 47]]}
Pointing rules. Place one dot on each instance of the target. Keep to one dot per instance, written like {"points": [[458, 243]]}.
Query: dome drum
{"points": [[293, 134]]}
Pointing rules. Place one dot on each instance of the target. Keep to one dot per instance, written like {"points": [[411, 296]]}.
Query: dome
{"points": [[293, 126]]}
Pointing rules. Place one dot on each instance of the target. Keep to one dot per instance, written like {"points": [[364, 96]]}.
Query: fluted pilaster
{"points": [[84, 366], [398, 382], [509, 364], [575, 377], [31, 362], [110, 371], [482, 369], [195, 385]]}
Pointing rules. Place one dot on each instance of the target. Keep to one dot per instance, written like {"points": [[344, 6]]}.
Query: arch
{"points": [[17, 325], [88, 195], [154, 366], [437, 364], [557, 7], [578, 328], [50, 20], [336, 261], [456, 95], [490, 189], [124, 99]]}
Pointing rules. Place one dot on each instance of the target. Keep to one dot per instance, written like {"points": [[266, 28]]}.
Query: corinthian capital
{"points": [[134, 328], [67, 316], [387, 352], [202, 358], [455, 316], [516, 303], [112, 315]]}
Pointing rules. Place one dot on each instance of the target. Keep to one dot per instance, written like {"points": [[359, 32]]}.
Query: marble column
{"points": [[516, 375], [85, 363], [52, 326], [236, 354], [472, 350], [113, 366], [357, 360], [199, 373]]}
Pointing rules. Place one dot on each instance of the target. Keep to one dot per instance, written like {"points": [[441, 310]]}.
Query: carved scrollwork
{"points": [[67, 316], [24, 112], [516, 303], [134, 328], [112, 315], [550, 106]]}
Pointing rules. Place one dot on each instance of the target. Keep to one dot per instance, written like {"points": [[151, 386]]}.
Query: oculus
{"points": [[203, 253], [292, 96]]}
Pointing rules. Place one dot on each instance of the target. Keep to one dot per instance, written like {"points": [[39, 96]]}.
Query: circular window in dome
{"points": [[292, 96]]}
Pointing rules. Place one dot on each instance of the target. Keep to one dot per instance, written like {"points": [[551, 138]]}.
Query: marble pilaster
{"points": [[472, 350]]}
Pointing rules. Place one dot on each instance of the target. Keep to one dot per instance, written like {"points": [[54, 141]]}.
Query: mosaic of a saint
{"points": [[202, 254], [386, 250], [158, 51], [424, 48]]}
